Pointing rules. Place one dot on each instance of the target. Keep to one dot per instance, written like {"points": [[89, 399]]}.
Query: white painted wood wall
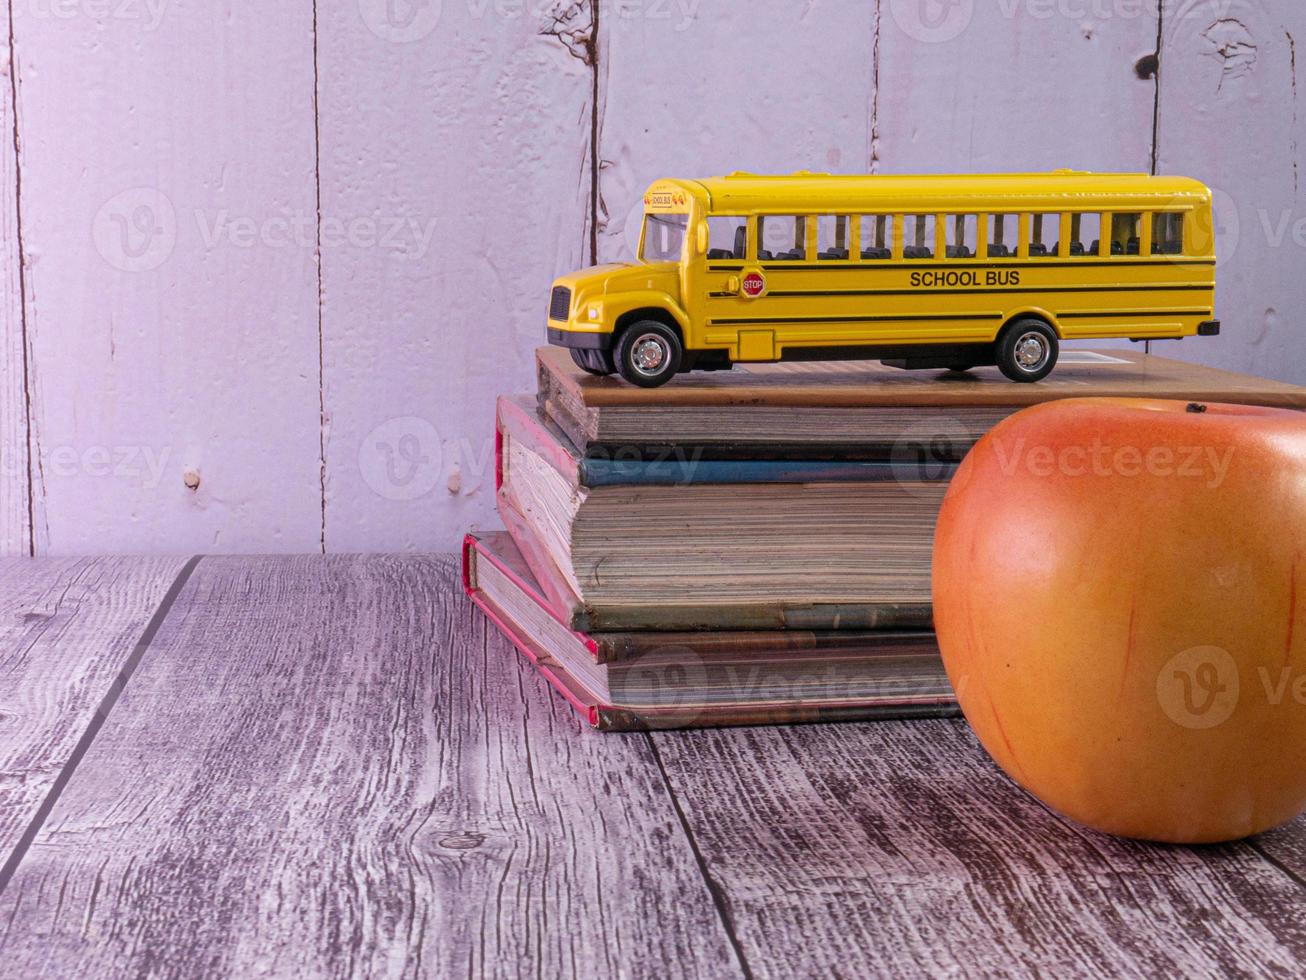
{"points": [[263, 268]]}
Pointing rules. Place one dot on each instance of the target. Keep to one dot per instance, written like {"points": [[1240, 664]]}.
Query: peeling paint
{"points": [[1235, 47], [874, 162], [576, 26]]}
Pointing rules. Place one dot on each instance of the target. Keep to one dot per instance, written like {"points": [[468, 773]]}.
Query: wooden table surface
{"points": [[331, 766]]}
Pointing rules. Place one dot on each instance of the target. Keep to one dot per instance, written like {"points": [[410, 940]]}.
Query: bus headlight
{"points": [[595, 313]]}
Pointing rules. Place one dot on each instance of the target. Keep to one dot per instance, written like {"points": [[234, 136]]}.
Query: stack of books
{"points": [[753, 546]]}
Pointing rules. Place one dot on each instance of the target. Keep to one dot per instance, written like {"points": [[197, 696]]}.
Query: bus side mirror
{"points": [[702, 238]]}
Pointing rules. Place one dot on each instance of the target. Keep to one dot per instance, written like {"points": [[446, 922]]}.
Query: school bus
{"points": [[923, 272]]}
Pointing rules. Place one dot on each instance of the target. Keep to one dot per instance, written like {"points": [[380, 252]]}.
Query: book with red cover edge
{"points": [[614, 718], [572, 690]]}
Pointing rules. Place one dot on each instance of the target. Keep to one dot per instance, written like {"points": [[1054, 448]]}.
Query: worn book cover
{"points": [[851, 553], [631, 681], [854, 409]]}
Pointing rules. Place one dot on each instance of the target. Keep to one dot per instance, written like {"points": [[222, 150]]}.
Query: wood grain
{"points": [[1286, 846], [325, 767], [15, 536], [465, 134], [896, 849], [1232, 115], [66, 628], [168, 207]]}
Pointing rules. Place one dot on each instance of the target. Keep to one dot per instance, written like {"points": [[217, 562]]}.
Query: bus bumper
{"points": [[1211, 328], [579, 341]]}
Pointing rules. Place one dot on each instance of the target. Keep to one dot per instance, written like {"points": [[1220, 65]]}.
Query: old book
{"points": [[847, 553], [633, 681], [852, 410]]}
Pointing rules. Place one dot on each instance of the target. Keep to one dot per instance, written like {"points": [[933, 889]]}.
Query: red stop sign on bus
{"points": [[754, 284]]}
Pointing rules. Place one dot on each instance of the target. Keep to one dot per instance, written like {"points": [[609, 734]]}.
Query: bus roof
{"points": [[1061, 190]]}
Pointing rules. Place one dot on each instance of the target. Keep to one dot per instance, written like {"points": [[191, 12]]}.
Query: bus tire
{"points": [[1027, 351], [596, 362], [649, 353]]}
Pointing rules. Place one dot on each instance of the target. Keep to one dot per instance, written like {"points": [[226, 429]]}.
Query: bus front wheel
{"points": [[596, 362], [649, 354], [1027, 351]]}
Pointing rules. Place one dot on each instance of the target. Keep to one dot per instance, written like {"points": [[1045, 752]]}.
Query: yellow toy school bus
{"points": [[921, 272]]}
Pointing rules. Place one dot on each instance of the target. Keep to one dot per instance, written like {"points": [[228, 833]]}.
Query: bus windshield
{"points": [[664, 237]]}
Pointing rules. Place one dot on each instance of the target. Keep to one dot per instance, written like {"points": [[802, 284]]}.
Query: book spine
{"points": [[469, 545], [498, 458]]}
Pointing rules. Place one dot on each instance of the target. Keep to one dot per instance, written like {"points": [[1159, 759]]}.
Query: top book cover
{"points": [[855, 409]]}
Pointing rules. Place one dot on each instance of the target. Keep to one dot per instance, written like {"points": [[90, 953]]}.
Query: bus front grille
{"points": [[560, 304]]}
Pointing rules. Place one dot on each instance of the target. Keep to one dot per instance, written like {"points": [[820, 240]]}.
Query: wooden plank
{"points": [[168, 169], [15, 537], [461, 136], [325, 767], [1232, 114], [897, 850], [694, 90], [66, 628], [972, 86], [1287, 847]]}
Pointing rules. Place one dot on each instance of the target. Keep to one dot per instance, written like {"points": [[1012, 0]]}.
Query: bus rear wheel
{"points": [[596, 362], [649, 354], [1027, 351]]}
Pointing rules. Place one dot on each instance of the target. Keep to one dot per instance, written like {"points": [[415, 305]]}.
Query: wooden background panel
{"points": [[325, 767], [1232, 114], [1013, 85], [907, 826], [66, 628], [695, 89], [467, 130], [15, 537], [168, 216]]}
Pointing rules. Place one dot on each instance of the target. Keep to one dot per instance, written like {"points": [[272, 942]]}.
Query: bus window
{"points": [[1044, 232], [1085, 234], [1168, 233], [832, 238], [963, 239], [1003, 235], [664, 237], [728, 237], [1126, 233], [782, 238], [877, 236], [919, 237]]}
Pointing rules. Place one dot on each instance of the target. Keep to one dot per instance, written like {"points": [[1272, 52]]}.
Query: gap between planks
{"points": [[97, 721]]}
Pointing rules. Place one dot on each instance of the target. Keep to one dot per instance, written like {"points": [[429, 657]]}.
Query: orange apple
{"points": [[1120, 597]]}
